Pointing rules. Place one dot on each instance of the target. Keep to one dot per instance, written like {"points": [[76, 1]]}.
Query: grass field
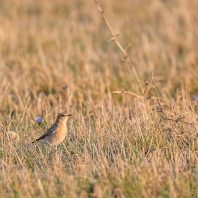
{"points": [[121, 142]]}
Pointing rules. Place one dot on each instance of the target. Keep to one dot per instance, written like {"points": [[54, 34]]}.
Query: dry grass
{"points": [[54, 56]]}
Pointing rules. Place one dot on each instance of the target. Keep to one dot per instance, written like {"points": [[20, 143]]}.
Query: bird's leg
{"points": [[55, 148], [52, 146], [50, 149], [49, 152], [57, 154]]}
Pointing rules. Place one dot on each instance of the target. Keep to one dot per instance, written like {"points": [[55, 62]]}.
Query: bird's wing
{"points": [[49, 132]]}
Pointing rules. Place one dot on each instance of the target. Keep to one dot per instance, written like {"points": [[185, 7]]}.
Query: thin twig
{"points": [[127, 92], [115, 40], [177, 120]]}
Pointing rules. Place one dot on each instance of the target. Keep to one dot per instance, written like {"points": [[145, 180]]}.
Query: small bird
{"points": [[57, 132]]}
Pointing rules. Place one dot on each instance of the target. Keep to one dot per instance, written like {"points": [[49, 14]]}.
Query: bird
{"points": [[57, 132]]}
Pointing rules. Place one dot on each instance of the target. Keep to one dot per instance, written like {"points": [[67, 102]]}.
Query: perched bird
{"points": [[57, 132], [11, 135]]}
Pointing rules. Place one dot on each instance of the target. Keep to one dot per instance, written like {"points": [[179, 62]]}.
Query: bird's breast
{"points": [[59, 135]]}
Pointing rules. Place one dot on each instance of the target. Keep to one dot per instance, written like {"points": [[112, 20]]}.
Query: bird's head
{"points": [[63, 117]]}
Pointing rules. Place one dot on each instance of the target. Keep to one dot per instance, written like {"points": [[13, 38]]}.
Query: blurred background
{"points": [[61, 46]]}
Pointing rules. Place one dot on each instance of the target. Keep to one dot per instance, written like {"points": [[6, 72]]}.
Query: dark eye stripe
{"points": [[61, 114]]}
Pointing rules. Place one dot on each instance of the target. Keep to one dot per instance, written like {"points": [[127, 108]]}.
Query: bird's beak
{"points": [[69, 115]]}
